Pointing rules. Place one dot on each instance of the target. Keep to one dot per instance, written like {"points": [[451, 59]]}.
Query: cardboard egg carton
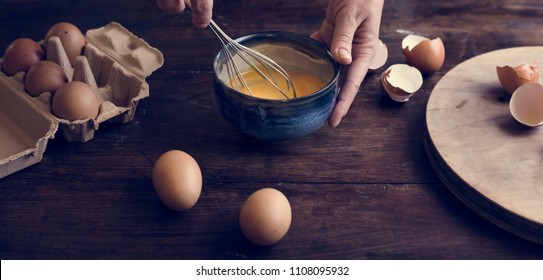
{"points": [[114, 63]]}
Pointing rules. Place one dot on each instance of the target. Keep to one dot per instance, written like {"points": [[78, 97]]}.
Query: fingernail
{"points": [[336, 123], [345, 55]]}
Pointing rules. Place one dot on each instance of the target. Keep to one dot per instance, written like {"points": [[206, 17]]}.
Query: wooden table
{"points": [[364, 190]]}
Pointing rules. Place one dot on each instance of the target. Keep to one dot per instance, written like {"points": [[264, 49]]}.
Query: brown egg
{"points": [[424, 54], [177, 180], [75, 101], [512, 78], [71, 37], [45, 76], [20, 55], [265, 217]]}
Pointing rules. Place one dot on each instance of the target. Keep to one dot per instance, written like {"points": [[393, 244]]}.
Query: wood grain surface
{"points": [[479, 142], [364, 190]]}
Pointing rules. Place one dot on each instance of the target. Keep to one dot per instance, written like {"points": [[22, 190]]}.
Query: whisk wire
{"points": [[252, 58], [234, 73]]}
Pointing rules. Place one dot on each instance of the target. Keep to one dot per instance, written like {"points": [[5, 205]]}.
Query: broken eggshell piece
{"points": [[424, 54], [526, 104], [512, 78], [381, 55], [401, 81]]}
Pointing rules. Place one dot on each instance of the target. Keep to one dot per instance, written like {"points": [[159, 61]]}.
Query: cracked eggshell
{"points": [[424, 54], [401, 81], [526, 104], [381, 55], [512, 78]]}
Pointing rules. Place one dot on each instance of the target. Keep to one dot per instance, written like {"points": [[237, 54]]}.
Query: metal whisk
{"points": [[260, 63]]}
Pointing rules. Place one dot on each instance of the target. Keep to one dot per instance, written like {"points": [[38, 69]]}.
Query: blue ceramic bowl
{"points": [[280, 119]]}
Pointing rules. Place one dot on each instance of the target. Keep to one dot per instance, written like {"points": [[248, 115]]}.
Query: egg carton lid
{"points": [[130, 51], [25, 129]]}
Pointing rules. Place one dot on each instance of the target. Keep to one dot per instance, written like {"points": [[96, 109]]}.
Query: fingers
{"points": [[346, 97], [317, 36], [175, 6], [353, 76], [201, 12], [352, 42], [342, 40], [201, 9]]}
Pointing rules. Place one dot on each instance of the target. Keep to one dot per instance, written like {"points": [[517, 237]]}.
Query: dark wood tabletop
{"points": [[364, 190]]}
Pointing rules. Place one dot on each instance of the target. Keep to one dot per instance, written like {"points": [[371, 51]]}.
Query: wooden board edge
{"points": [[477, 202]]}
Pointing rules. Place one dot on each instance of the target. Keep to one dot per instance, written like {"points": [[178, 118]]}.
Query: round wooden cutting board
{"points": [[487, 159]]}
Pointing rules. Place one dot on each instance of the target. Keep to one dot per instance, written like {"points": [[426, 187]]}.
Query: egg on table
{"points": [[177, 180], [265, 217]]}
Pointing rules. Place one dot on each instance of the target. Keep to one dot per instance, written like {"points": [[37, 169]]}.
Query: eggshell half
{"points": [[401, 81], [424, 54], [381, 55], [512, 78], [526, 104]]}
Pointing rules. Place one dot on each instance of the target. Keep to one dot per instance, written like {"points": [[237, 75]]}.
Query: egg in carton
{"points": [[114, 64]]}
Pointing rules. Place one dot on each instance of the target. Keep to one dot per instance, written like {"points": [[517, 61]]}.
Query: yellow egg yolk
{"points": [[304, 84]]}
